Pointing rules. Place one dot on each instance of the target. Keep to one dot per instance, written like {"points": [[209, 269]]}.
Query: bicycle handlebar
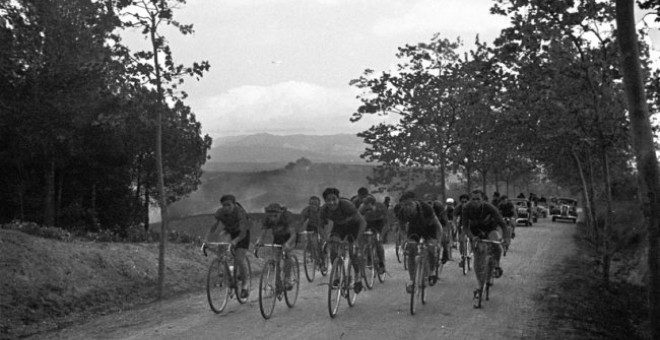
{"points": [[229, 245], [272, 245]]}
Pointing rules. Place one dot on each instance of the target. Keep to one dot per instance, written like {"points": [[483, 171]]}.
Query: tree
{"points": [[164, 75], [645, 153]]}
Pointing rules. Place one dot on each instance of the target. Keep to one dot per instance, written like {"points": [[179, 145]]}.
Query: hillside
{"points": [[255, 190], [267, 148]]}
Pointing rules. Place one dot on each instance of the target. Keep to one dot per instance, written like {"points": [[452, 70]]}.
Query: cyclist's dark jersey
{"points": [[281, 228], [358, 200], [375, 216], [506, 209], [313, 216], [232, 222], [481, 218], [440, 213], [450, 212], [421, 223], [345, 210]]}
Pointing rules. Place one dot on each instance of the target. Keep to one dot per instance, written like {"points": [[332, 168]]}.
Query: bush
{"points": [[34, 229]]}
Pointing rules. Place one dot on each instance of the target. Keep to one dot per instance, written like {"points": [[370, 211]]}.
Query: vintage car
{"points": [[564, 208], [523, 211], [543, 209]]}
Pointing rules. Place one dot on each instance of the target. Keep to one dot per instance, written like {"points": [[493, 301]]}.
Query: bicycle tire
{"points": [[268, 289], [369, 266], [352, 277], [238, 287], [309, 263], [381, 274], [470, 254], [424, 280], [217, 286], [324, 257], [291, 296], [414, 294], [335, 291]]}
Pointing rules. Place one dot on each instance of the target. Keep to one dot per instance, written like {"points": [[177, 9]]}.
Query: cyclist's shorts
{"points": [[281, 239], [343, 233], [244, 243]]}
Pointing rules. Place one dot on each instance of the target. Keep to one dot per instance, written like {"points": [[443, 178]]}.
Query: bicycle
{"points": [[271, 284], [372, 267], [507, 235], [313, 256], [343, 276], [399, 243], [421, 273], [485, 268], [222, 280], [465, 249]]}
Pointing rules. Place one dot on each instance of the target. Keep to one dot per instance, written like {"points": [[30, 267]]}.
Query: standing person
{"points": [[375, 214], [343, 221], [482, 220], [422, 223], [279, 221], [235, 223], [311, 216]]}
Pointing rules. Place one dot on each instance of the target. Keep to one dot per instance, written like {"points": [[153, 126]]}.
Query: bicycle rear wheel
{"points": [[415, 293], [238, 287], [268, 289], [308, 262], [381, 273], [369, 265], [424, 280], [291, 296], [217, 286], [335, 284], [352, 278]]}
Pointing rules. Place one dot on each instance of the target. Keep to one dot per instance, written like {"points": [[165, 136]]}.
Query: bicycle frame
{"points": [[484, 264], [222, 268], [421, 271], [266, 289]]}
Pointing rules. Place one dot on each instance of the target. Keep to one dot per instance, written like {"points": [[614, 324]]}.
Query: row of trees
{"points": [[83, 119], [547, 97]]}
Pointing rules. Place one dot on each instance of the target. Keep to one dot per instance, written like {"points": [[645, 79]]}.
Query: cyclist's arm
{"points": [[495, 213], [438, 227], [243, 229], [259, 240]]}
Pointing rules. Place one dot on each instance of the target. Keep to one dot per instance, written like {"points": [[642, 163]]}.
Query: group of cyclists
{"points": [[336, 217]]}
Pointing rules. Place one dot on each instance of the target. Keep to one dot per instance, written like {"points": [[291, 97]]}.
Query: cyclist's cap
{"points": [[225, 198], [274, 208], [407, 195], [450, 200]]}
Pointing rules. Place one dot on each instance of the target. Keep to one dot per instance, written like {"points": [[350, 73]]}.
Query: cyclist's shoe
{"points": [[409, 288], [357, 287], [335, 283], [445, 257], [433, 279], [497, 272], [513, 235], [244, 293]]}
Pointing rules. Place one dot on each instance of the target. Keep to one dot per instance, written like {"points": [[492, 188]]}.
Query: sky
{"points": [[284, 66]]}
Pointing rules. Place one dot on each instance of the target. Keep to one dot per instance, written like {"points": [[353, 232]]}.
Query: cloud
{"points": [[285, 108], [430, 16]]}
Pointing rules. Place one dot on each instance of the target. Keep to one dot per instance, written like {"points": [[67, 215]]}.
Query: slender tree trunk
{"points": [[146, 208], [592, 196], [49, 197], [162, 200], [585, 190], [443, 176], [642, 136], [497, 180], [484, 178], [468, 171], [607, 228]]}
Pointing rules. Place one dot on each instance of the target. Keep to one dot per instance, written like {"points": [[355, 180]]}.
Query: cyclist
{"points": [[496, 199], [342, 220], [449, 204], [235, 223], [458, 212], [422, 222], [508, 212], [312, 222], [375, 214], [441, 214], [279, 220], [481, 219], [358, 199]]}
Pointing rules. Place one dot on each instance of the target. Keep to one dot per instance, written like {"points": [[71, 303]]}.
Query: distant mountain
{"points": [[280, 150]]}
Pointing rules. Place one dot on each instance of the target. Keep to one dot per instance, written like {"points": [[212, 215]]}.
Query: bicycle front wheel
{"points": [[217, 286], [248, 280], [352, 279], [291, 296], [369, 265], [308, 262], [416, 284], [335, 284], [268, 289]]}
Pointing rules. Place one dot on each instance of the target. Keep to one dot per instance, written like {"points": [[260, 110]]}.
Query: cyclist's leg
{"points": [[444, 240], [507, 233], [411, 251], [380, 250], [431, 249], [239, 262], [496, 235], [281, 240]]}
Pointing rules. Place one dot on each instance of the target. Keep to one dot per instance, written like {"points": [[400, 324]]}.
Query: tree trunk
{"points": [[162, 200], [497, 180], [468, 170], [642, 136], [146, 208], [484, 177], [585, 190], [443, 176], [49, 197], [607, 228]]}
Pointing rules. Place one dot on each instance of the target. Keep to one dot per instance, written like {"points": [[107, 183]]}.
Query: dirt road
{"points": [[380, 313]]}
